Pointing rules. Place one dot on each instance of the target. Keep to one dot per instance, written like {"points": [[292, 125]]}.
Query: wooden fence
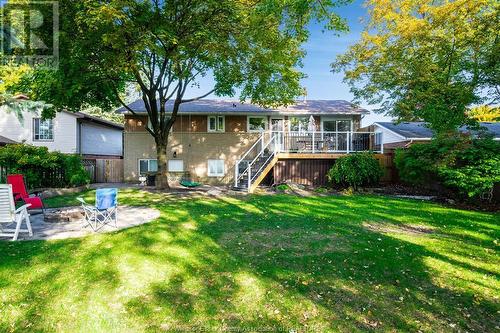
{"points": [[90, 167], [387, 163], [99, 170], [108, 171], [43, 178]]}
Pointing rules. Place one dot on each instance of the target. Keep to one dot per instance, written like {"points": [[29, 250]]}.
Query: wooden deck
{"points": [[300, 168], [314, 156]]}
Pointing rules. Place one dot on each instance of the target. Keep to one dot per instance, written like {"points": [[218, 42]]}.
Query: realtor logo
{"points": [[29, 33]]}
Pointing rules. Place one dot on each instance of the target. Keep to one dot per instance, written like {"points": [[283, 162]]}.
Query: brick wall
{"points": [[193, 148]]}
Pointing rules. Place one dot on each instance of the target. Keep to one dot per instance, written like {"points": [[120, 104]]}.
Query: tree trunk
{"points": [[162, 175]]}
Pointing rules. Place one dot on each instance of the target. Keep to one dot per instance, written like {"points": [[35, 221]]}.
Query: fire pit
{"points": [[64, 215]]}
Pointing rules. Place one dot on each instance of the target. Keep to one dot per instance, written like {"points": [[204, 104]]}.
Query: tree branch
{"points": [[197, 98]]}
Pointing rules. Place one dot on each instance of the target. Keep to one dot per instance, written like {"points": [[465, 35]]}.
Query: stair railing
{"points": [[271, 146], [237, 174]]}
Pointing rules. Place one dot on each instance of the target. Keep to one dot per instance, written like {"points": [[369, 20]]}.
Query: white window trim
{"points": [[150, 124], [277, 118], [266, 124], [33, 130], [323, 119], [176, 160], [300, 130], [216, 174], [144, 159], [217, 129]]}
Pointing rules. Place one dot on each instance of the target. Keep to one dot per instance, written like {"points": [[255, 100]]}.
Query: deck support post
{"points": [[249, 176], [349, 137], [236, 171], [313, 146], [381, 143]]}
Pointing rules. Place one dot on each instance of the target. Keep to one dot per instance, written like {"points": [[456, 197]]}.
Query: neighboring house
{"points": [[215, 141], [4, 141], [67, 132], [396, 135]]}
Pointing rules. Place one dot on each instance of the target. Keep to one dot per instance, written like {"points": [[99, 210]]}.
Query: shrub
{"points": [[42, 168], [356, 170], [75, 173], [321, 190], [469, 165]]}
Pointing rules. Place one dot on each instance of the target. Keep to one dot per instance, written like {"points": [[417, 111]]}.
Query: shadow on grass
{"points": [[279, 262]]}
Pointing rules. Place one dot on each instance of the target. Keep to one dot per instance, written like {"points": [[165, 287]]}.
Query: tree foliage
{"points": [[426, 59], [37, 164], [485, 113], [464, 163], [164, 47], [100, 113], [355, 170]]}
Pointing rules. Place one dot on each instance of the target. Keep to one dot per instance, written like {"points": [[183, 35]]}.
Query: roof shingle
{"points": [[419, 130], [205, 106]]}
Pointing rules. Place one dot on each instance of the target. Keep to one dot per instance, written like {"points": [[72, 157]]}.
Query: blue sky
{"points": [[322, 48]]}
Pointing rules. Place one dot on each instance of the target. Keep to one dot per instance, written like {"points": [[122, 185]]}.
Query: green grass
{"points": [[339, 263]]}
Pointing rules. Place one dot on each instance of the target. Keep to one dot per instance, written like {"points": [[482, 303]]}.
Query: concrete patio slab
{"points": [[127, 217]]}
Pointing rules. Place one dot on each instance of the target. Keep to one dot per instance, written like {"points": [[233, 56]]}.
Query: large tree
{"points": [[427, 59], [250, 47]]}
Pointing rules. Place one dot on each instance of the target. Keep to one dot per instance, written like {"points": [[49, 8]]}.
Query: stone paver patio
{"points": [[127, 217]]}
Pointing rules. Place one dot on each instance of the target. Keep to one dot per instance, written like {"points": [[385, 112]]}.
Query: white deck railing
{"points": [[329, 142], [320, 142]]}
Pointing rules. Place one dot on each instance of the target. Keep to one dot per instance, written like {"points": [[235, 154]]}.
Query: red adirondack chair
{"points": [[20, 193]]}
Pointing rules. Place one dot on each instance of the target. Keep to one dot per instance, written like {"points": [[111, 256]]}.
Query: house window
{"points": [[175, 165], [43, 130], [150, 123], [147, 166], [378, 138], [336, 125], [215, 168], [299, 124], [216, 123], [257, 124]]}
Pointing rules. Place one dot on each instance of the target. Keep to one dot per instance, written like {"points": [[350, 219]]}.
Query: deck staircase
{"points": [[255, 164], [253, 167]]}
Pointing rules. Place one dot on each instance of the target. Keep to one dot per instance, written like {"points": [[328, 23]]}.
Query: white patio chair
{"points": [[10, 216]]}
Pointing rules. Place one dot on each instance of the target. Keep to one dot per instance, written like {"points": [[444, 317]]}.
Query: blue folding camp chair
{"points": [[105, 210]]}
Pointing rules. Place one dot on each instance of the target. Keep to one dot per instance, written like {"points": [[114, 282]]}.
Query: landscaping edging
{"points": [[63, 191]]}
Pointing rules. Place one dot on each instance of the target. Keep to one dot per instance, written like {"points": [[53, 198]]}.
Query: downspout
{"points": [[79, 138]]}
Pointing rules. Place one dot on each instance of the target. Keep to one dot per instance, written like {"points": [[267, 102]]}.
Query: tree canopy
{"points": [[485, 113], [426, 59], [251, 48]]}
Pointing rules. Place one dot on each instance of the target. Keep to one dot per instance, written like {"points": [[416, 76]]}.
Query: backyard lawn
{"points": [[270, 263]]}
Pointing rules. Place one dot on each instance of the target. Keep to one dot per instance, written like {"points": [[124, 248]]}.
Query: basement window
{"points": [[147, 166], [175, 165], [215, 168]]}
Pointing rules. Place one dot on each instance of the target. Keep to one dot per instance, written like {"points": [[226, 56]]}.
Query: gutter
{"points": [[254, 113]]}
